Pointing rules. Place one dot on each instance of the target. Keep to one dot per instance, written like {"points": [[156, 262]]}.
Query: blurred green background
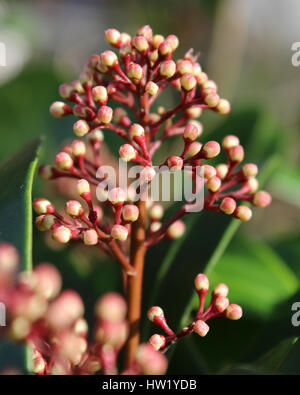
{"points": [[245, 47]]}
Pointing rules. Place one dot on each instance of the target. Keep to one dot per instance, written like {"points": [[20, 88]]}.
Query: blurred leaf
{"points": [[285, 185], [16, 177]]}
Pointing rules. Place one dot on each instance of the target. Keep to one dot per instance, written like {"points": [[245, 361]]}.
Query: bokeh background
{"points": [[245, 47]]}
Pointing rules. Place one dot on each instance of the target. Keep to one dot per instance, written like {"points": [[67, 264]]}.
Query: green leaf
{"points": [[285, 185], [16, 177]]}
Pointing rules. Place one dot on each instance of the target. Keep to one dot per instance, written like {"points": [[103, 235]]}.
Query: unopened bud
{"points": [[201, 283], [78, 148], [175, 163], [212, 99], [211, 149], [147, 174], [135, 71], [127, 152], [230, 141], [81, 128], [201, 328], [221, 304], [167, 68], [156, 212], [100, 94], [193, 149], [119, 232], [157, 341], [157, 40], [250, 170], [228, 205], [49, 280], [64, 161], [112, 36], [221, 290], [176, 230], [209, 171], [173, 40], [105, 114], [191, 132], [140, 43], [194, 112], [136, 130], [116, 196], [108, 58], [150, 361], [62, 234], [58, 109], [90, 237], [151, 88], [155, 312], [188, 81], [130, 212], [165, 48], [184, 66], [222, 170], [111, 307], [223, 107], [236, 154], [243, 213], [83, 187], [234, 312], [43, 206], [262, 199]]}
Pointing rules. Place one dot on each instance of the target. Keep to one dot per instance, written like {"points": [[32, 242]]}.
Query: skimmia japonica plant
{"points": [[125, 222]]}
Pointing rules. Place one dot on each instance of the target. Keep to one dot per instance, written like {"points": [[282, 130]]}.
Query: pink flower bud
{"points": [[251, 184], [234, 312], [222, 170], [146, 31], [78, 87], [198, 125], [202, 78], [45, 172], [213, 184], [211, 149], [64, 311], [147, 174], [116, 196], [191, 132], [236, 154], [176, 230], [221, 304], [119, 232], [83, 187], [136, 130], [221, 290], [90, 237], [197, 71], [71, 347], [43, 206], [9, 258], [155, 312], [80, 327], [175, 163], [201, 283], [112, 36], [209, 86], [105, 114], [111, 333], [78, 148], [173, 40], [86, 78], [201, 328], [99, 94], [243, 213], [155, 226], [157, 40], [151, 88], [62, 234], [167, 68], [97, 136], [156, 212], [157, 341], [223, 107], [44, 222], [39, 364], [81, 128], [135, 71], [19, 328], [66, 90], [250, 170], [125, 39], [228, 205], [153, 56], [188, 81], [111, 307], [58, 109], [230, 141], [184, 66], [108, 58], [165, 48], [49, 280], [262, 199], [140, 43], [150, 361], [64, 161], [127, 152], [193, 149], [209, 171], [212, 99], [194, 112], [130, 212]]}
